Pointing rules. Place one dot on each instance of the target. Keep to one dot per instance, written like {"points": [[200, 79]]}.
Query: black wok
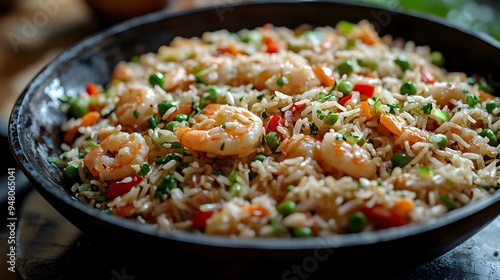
{"points": [[34, 136]]}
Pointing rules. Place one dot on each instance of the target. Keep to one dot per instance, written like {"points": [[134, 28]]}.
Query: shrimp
{"points": [[444, 92], [301, 145], [351, 159], [138, 104], [227, 131], [286, 72], [113, 158]]}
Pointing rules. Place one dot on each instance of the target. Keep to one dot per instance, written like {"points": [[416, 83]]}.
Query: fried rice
{"points": [[280, 132]]}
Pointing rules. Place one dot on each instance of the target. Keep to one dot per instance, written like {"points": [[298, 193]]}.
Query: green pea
{"points": [[345, 87], [172, 125], [164, 106], [357, 222], [345, 67], [491, 105], [302, 232], [484, 86], [437, 58], [439, 139], [403, 62], [488, 133], [260, 157], [331, 118], [79, 107], [235, 189], [157, 78], [408, 88], [213, 92], [273, 140], [287, 207], [181, 117], [400, 159], [71, 171]]}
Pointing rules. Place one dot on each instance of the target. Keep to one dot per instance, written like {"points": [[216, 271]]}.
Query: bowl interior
{"points": [[34, 125]]}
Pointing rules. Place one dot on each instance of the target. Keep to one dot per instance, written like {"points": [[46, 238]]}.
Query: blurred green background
{"points": [[477, 15]]}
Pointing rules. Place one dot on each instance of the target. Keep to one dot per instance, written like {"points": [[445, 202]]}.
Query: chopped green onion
{"points": [[491, 105], [313, 128], [235, 189], [472, 100], [165, 185], [144, 169], [345, 27], [440, 115], [55, 160], [427, 108], [331, 118], [280, 82], [260, 157], [484, 86], [345, 87], [448, 202], [213, 92], [345, 67], [78, 107], [136, 113], [167, 158], [232, 176], [71, 171]]}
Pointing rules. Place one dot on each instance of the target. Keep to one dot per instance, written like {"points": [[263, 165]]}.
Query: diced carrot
{"points": [[396, 126], [369, 36], [87, 120], [256, 210], [182, 110], [485, 96], [125, 211], [92, 89], [271, 45], [427, 77], [405, 205], [325, 75], [365, 110]]}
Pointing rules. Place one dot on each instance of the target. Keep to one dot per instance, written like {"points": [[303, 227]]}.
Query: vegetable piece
{"points": [[396, 126], [297, 108], [157, 78], [345, 87], [92, 89], [357, 222], [425, 172], [200, 218], [78, 107], [325, 75], [472, 100], [302, 232], [439, 114], [153, 122], [331, 118], [365, 110], [437, 58], [484, 86], [118, 188], [274, 123], [382, 217], [408, 88], [260, 157], [71, 171], [165, 185], [287, 207], [448, 202], [491, 105], [344, 100], [172, 125], [427, 77], [403, 62], [439, 139], [400, 159], [235, 189], [405, 205], [256, 210], [345, 67], [272, 139], [271, 45], [87, 120], [144, 169], [488, 133], [366, 90], [213, 92], [345, 27], [181, 117]]}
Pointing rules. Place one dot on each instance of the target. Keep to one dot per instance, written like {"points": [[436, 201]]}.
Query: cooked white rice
{"points": [[296, 151]]}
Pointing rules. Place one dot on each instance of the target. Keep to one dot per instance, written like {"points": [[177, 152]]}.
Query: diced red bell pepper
{"points": [[274, 122], [200, 218], [382, 217], [92, 89], [118, 188], [365, 89], [297, 108], [271, 45], [344, 99]]}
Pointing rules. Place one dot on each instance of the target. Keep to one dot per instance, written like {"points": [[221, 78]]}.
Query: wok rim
{"points": [[61, 200]]}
